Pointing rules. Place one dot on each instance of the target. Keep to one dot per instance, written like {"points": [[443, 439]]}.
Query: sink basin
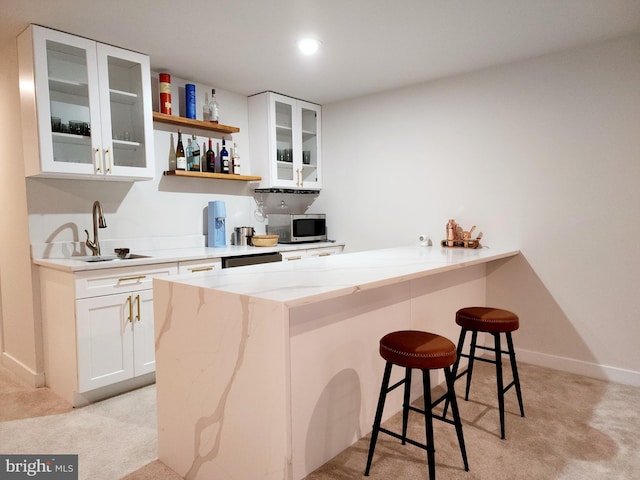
{"points": [[108, 258]]}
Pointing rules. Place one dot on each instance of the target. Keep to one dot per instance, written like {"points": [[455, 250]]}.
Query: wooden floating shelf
{"points": [[219, 176], [190, 123]]}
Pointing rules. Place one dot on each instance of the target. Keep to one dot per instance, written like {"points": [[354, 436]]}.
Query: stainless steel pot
{"points": [[242, 235]]}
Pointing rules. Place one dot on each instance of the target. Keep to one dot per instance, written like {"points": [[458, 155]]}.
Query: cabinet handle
{"points": [[130, 300], [293, 258], [128, 279], [299, 182], [200, 269], [138, 300], [109, 162], [324, 254], [97, 162]]}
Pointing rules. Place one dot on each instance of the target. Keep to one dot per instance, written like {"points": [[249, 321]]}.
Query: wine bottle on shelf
{"points": [[172, 154], [203, 157], [195, 154], [181, 160], [189, 154], [235, 160], [214, 112], [224, 159], [211, 159]]}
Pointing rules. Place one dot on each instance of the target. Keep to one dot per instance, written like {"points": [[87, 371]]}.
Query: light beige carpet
{"points": [[576, 428]]}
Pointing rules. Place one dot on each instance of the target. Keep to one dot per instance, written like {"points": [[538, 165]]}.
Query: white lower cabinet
{"points": [[98, 330], [115, 338]]}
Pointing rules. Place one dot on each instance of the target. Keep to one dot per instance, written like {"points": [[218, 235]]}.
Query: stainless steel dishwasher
{"points": [[250, 259]]}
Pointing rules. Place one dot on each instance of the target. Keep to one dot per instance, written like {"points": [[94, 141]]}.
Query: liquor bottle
{"points": [[181, 160], [224, 159], [189, 154], [203, 157], [211, 159], [172, 154], [213, 107], [235, 160], [206, 115], [195, 154]]}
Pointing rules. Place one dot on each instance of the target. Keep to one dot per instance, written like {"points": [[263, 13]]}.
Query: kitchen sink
{"points": [[109, 258]]}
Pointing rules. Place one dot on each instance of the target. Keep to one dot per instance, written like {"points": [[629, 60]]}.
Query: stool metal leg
{"points": [[428, 420], [514, 369], [451, 396], [378, 419], [472, 356], [454, 371], [406, 404], [496, 336]]}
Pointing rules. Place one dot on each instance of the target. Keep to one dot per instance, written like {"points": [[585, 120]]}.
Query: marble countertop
{"points": [[153, 256], [319, 278]]}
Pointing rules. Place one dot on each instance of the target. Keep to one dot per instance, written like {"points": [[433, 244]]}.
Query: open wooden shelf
{"points": [[219, 176], [189, 123]]}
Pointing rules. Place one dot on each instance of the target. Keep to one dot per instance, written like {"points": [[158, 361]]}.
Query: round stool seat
{"points": [[487, 319], [415, 349]]}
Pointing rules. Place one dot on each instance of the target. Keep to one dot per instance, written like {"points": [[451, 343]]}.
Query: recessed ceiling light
{"points": [[309, 46]]}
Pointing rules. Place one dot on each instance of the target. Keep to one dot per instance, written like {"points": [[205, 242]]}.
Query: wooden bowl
{"points": [[264, 240]]}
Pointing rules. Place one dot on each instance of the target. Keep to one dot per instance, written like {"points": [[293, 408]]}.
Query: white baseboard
{"points": [[27, 375], [588, 369]]}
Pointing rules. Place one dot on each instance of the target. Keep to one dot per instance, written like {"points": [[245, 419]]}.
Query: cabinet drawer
{"points": [[324, 252], [200, 266], [292, 255], [115, 280]]}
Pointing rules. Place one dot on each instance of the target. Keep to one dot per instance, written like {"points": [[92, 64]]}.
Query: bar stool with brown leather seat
{"points": [[424, 351], [493, 321]]}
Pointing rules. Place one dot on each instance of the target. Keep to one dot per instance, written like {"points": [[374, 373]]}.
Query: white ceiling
{"points": [[249, 46]]}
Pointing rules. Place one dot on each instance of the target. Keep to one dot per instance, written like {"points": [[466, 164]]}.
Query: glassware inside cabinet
{"points": [[69, 103], [309, 145], [127, 114], [284, 141]]}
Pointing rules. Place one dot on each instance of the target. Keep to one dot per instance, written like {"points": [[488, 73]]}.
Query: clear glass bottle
{"points": [[206, 115], [214, 111], [195, 154], [172, 154], [235, 160], [189, 155]]}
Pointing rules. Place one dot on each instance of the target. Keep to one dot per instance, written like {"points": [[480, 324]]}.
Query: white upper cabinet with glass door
{"points": [[285, 140], [86, 108]]}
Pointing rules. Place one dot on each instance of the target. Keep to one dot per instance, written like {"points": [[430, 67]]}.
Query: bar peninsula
{"points": [[269, 371]]}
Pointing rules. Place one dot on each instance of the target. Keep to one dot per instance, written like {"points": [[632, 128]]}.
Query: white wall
{"points": [[543, 155], [20, 336]]}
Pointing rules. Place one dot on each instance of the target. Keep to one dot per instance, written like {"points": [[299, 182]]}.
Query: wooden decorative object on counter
{"points": [[457, 237]]}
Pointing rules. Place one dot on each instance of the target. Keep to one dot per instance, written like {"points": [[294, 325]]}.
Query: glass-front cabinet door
{"points": [[127, 129], [83, 106], [285, 141]]}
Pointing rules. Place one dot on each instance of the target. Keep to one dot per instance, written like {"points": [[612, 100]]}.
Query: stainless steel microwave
{"points": [[297, 228]]}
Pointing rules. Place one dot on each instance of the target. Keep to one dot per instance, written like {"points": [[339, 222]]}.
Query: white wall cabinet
{"points": [[98, 330], [86, 108], [285, 141]]}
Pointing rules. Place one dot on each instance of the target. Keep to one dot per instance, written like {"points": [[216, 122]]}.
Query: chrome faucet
{"points": [[98, 222]]}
